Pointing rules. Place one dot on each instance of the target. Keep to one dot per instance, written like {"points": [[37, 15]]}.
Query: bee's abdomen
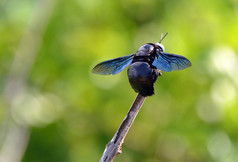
{"points": [[141, 78]]}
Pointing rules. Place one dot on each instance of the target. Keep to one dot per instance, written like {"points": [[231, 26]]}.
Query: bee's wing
{"points": [[113, 66], [171, 62]]}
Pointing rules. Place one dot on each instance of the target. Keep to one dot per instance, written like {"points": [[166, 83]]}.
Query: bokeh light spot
{"points": [[37, 109], [208, 110], [223, 91], [219, 145]]}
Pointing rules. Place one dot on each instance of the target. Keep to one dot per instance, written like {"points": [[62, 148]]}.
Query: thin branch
{"points": [[113, 148]]}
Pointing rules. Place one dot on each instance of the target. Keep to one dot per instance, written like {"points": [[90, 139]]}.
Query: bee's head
{"points": [[160, 47]]}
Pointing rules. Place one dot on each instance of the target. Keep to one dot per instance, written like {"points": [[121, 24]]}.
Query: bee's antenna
{"points": [[162, 37]]}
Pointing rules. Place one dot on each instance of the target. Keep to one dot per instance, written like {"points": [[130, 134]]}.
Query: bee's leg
{"points": [[156, 72], [159, 72]]}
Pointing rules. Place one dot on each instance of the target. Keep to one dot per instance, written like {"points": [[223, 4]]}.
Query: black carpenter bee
{"points": [[145, 66]]}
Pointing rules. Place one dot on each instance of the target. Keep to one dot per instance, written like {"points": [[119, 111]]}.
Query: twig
{"points": [[113, 148]]}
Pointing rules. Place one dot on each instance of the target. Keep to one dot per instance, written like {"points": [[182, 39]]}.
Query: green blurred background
{"points": [[53, 109]]}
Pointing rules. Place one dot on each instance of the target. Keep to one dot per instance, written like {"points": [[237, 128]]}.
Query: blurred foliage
{"points": [[73, 114]]}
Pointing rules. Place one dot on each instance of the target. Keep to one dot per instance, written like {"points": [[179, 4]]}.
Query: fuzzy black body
{"points": [[142, 77], [142, 74]]}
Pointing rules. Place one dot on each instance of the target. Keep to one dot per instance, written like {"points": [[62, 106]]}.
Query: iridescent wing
{"points": [[171, 62], [113, 66]]}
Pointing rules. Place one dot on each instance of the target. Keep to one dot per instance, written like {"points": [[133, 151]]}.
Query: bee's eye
{"points": [[159, 49]]}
